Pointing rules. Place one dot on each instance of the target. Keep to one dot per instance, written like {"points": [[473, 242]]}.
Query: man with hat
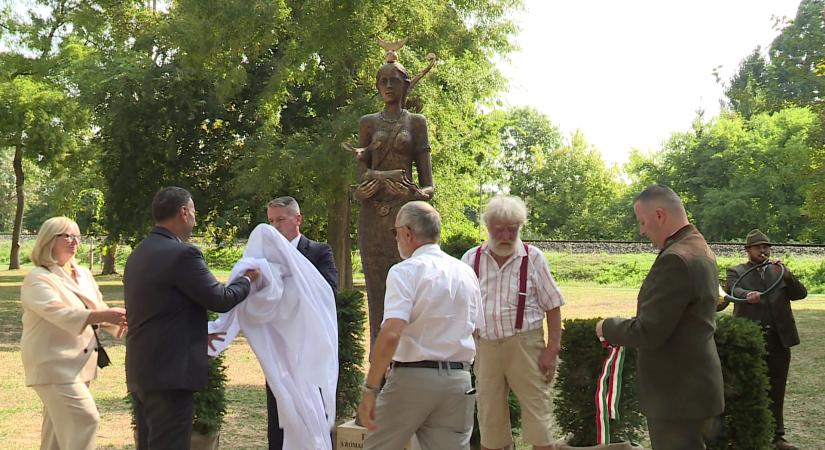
{"points": [[772, 310]]}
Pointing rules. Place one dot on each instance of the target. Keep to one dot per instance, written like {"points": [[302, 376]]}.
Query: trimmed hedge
{"points": [[581, 360], [351, 319], [747, 420]]}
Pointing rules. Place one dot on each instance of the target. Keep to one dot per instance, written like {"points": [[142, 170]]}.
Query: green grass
{"points": [[245, 424]]}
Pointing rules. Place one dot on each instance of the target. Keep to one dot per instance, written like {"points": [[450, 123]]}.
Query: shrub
{"points": [[581, 360], [351, 319], [457, 244], [747, 420], [210, 404], [222, 258]]}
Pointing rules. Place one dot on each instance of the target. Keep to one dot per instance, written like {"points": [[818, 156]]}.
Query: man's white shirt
{"points": [[439, 298]]}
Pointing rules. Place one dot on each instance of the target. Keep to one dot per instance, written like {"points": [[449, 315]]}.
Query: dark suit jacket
{"points": [[320, 255], [679, 374], [774, 308], [168, 290]]}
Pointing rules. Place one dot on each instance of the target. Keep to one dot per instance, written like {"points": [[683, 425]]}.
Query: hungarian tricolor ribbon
{"points": [[608, 392]]}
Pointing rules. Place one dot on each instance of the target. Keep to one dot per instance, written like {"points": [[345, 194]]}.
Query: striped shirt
{"points": [[499, 291]]}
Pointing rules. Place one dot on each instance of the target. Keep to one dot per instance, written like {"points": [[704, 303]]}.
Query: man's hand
{"points": [[599, 332], [366, 411], [214, 337], [547, 363], [753, 297], [252, 274]]}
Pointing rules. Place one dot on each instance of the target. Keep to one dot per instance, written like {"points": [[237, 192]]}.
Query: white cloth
{"points": [[499, 290], [438, 296], [290, 322], [294, 242]]}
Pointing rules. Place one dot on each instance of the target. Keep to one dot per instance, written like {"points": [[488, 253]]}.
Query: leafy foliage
{"points": [[351, 319], [210, 404], [747, 419], [581, 358]]}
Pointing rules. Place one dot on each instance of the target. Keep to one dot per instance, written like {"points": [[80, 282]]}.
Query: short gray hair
{"points": [[285, 202], [422, 219], [660, 195], [505, 208]]}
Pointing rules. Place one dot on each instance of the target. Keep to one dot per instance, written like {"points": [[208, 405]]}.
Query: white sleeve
{"points": [[398, 300]]}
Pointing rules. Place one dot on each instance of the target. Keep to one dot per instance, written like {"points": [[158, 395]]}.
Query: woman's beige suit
{"points": [[60, 353]]}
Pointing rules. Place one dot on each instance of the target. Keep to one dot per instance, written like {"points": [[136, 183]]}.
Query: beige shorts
{"points": [[505, 364]]}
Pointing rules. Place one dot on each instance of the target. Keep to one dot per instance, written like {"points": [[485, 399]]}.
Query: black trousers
{"points": [[164, 420], [683, 434], [274, 432], [778, 360]]}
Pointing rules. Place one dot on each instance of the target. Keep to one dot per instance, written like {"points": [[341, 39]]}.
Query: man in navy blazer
{"points": [[168, 290], [285, 215]]}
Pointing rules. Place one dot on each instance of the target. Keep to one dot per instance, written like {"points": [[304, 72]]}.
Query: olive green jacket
{"points": [[679, 374]]}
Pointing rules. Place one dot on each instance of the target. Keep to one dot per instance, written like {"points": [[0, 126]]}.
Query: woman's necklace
{"points": [[400, 115]]}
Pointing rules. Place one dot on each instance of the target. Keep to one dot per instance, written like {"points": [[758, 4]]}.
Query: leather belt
{"points": [[433, 364]]}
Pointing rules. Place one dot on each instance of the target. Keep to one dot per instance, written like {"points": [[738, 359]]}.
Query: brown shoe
{"points": [[782, 444]]}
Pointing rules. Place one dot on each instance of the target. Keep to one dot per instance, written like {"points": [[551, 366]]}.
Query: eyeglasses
{"points": [[69, 237], [395, 230]]}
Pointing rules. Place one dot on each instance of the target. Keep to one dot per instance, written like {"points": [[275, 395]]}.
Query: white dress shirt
{"points": [[438, 296], [499, 290]]}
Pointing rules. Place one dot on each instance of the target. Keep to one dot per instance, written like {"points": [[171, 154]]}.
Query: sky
{"points": [[630, 73]]}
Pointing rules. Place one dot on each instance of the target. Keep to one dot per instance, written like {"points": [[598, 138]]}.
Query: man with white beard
{"points": [[518, 294]]}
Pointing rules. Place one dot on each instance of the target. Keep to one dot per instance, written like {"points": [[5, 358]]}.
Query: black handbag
{"points": [[102, 357]]}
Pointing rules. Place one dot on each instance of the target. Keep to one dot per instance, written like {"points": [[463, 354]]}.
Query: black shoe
{"points": [[782, 444]]}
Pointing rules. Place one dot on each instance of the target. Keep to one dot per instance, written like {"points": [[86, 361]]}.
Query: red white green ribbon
{"points": [[608, 392]]}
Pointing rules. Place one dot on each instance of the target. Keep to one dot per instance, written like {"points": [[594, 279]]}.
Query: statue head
{"points": [[393, 82]]}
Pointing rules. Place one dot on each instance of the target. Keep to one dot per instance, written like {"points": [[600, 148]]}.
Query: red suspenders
{"points": [[522, 283]]}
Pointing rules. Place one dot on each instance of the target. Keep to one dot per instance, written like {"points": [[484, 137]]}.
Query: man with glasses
{"points": [[518, 294], [431, 308]]}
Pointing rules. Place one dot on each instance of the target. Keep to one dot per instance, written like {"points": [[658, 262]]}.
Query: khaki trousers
{"points": [[70, 417], [430, 403], [505, 364]]}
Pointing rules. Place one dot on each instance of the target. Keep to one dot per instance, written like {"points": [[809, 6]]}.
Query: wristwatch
{"points": [[369, 389]]}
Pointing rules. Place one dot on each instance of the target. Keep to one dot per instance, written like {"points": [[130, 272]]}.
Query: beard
{"points": [[401, 252], [502, 248]]}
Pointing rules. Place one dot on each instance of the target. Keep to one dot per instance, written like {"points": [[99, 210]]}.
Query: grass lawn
{"points": [[245, 425]]}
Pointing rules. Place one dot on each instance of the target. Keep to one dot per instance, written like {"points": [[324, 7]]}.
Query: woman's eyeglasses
{"points": [[69, 237]]}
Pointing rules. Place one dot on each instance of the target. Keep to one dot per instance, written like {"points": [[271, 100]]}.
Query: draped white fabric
{"points": [[290, 322]]}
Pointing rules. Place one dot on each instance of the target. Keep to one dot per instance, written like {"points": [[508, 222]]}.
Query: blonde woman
{"points": [[62, 308]]}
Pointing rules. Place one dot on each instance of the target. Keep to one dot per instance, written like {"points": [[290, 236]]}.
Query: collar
{"points": [[679, 234], [425, 249], [157, 229], [296, 240]]}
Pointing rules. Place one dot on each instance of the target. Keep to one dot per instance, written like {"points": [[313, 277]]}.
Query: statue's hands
{"points": [[397, 188], [366, 189]]}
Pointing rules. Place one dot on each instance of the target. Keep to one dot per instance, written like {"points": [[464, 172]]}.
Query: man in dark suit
{"points": [[284, 214], [773, 312], [679, 373], [168, 290]]}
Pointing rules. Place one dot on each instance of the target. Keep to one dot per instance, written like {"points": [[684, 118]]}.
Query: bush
{"points": [[581, 360], [457, 244], [222, 258], [351, 319], [747, 420]]}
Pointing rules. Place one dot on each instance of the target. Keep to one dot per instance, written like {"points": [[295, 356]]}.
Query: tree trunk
{"points": [[14, 256], [339, 234], [108, 252]]}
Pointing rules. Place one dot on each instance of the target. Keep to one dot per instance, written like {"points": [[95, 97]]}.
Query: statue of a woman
{"points": [[391, 142]]}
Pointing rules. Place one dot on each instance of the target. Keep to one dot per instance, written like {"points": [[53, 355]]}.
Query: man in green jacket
{"points": [[772, 310], [679, 374]]}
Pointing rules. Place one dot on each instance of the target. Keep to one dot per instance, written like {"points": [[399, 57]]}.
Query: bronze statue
{"points": [[390, 142]]}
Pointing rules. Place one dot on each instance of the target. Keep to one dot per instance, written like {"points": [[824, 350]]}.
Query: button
{"points": [[85, 350]]}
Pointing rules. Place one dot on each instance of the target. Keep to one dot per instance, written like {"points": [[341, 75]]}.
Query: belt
{"points": [[432, 364]]}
